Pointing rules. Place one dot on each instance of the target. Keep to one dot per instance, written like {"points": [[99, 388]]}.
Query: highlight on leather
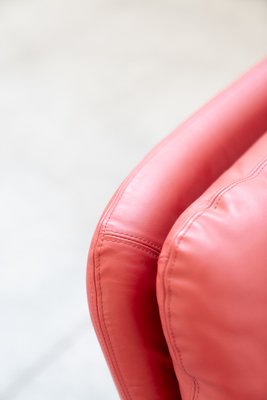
{"points": [[211, 286], [122, 262]]}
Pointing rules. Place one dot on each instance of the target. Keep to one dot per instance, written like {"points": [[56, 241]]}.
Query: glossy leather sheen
{"points": [[122, 263], [211, 286]]}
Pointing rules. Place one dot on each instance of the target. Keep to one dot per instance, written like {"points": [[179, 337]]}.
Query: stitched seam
{"points": [[142, 239], [220, 192], [167, 317], [178, 243], [241, 181], [120, 193], [132, 244], [97, 319], [109, 347]]}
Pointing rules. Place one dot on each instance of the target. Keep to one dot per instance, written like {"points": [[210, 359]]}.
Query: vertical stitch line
{"points": [[177, 350], [109, 348], [97, 320]]}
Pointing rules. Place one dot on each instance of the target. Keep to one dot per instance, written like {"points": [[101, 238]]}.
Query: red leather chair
{"points": [[190, 324]]}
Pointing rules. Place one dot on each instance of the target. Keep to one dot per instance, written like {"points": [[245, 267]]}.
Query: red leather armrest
{"points": [[122, 263]]}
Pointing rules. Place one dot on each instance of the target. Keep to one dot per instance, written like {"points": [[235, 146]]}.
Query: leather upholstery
{"points": [[122, 263], [211, 286]]}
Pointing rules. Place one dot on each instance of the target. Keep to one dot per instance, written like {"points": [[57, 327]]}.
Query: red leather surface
{"points": [[211, 286], [122, 263]]}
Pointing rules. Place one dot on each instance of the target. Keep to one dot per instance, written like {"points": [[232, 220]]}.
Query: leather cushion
{"points": [[211, 286]]}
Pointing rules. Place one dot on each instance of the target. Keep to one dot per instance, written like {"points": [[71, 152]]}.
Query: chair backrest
{"points": [[211, 286], [122, 263]]}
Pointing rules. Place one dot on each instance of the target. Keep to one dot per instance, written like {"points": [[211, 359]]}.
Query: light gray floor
{"points": [[86, 89]]}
